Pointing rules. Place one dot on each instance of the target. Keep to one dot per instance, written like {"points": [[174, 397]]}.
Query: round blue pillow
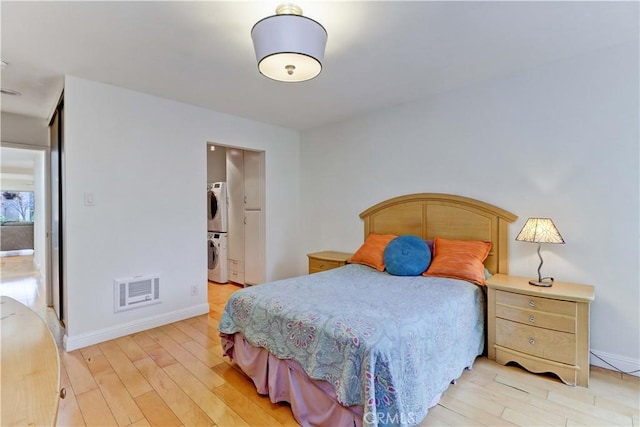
{"points": [[407, 256]]}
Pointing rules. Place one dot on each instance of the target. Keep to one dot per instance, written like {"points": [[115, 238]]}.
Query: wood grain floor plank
{"points": [[207, 356], [92, 350], [244, 405], [131, 348], [175, 333], [214, 407], [78, 372], [160, 355], [217, 349], [521, 385], [98, 365], [189, 361], [619, 387], [432, 420], [210, 331], [94, 408], [614, 379], [522, 419], [195, 334], [216, 313], [476, 400], [615, 406], [450, 417], [142, 339], [211, 321], [142, 423], [180, 403], [503, 395], [125, 369], [69, 413], [154, 332], [570, 412], [610, 416], [233, 376], [156, 410], [472, 412], [122, 405], [65, 382]]}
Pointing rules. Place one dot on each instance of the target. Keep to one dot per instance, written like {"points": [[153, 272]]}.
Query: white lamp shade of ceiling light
{"points": [[289, 47]]}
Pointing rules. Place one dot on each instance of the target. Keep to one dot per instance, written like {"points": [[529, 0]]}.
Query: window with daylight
{"points": [[16, 206]]}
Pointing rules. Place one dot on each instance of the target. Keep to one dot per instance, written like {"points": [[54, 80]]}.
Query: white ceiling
{"points": [[378, 54], [17, 168]]}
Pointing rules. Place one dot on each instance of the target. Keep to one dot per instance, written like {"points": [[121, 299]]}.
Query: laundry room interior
{"points": [[235, 217]]}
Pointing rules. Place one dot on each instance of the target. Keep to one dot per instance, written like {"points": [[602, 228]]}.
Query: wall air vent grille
{"points": [[138, 291]]}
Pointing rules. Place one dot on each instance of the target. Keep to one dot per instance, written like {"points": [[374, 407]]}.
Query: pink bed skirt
{"points": [[312, 401]]}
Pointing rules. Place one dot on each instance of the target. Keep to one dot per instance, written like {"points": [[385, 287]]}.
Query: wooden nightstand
{"points": [[322, 261], [542, 329]]}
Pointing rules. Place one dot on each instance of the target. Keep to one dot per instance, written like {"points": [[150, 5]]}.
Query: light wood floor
{"points": [[20, 280], [175, 375]]}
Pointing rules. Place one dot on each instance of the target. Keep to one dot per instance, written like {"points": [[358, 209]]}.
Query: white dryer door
{"points": [[213, 255], [212, 202]]}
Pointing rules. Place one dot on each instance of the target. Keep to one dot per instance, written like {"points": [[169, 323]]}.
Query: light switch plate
{"points": [[88, 199]]}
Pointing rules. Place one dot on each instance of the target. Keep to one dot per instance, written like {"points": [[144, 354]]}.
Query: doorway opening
{"points": [[241, 172], [23, 220]]}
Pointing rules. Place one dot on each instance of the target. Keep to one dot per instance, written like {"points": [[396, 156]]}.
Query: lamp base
{"points": [[543, 283]]}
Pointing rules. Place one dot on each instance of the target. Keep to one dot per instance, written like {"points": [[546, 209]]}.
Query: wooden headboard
{"points": [[445, 215]]}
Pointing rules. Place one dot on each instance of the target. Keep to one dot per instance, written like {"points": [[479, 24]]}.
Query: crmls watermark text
{"points": [[395, 418]]}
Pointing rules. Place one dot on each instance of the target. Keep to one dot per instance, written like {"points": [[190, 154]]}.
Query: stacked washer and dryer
{"points": [[217, 234]]}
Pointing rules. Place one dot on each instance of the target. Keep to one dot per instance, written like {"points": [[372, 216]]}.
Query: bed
{"points": [[357, 346]]}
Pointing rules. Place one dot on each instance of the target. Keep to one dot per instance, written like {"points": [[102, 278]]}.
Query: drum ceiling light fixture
{"points": [[289, 47]]}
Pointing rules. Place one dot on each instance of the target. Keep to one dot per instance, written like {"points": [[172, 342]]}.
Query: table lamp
{"points": [[540, 230]]}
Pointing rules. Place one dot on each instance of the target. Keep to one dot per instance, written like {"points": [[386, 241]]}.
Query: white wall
{"points": [[144, 160], [560, 140], [24, 129]]}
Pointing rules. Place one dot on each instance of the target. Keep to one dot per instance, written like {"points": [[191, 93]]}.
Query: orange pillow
{"points": [[459, 259], [371, 252]]}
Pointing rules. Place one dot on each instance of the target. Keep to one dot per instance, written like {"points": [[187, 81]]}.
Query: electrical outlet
{"points": [[194, 290]]}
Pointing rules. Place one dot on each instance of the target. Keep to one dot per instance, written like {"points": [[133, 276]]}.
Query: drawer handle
{"points": [[532, 304], [321, 264], [532, 341], [532, 319], [63, 393]]}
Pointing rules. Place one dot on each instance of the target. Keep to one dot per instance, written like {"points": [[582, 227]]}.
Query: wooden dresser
{"points": [[30, 368], [321, 261], [542, 329]]}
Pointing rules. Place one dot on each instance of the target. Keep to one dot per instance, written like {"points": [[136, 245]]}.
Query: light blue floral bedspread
{"points": [[389, 343]]}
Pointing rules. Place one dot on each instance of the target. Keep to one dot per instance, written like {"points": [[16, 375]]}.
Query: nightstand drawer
{"points": [[567, 308], [323, 261], [316, 265], [547, 344], [541, 319], [543, 329]]}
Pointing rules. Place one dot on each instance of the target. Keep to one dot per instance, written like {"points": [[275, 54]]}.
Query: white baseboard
{"points": [[625, 364], [101, 335]]}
